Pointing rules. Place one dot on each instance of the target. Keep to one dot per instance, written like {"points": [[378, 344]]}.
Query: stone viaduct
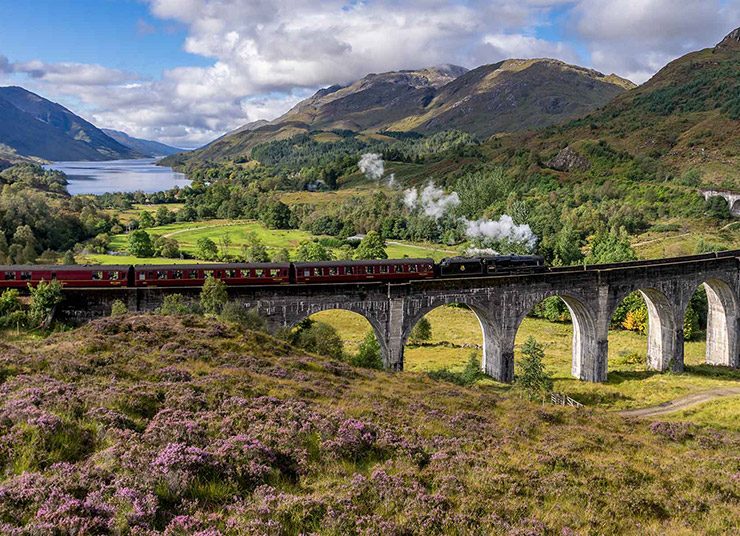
{"points": [[732, 198], [591, 293]]}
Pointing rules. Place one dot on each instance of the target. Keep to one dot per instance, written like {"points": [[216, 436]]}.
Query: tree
{"points": [[534, 379], [213, 296], [567, 249], [282, 255], [69, 258], [145, 220], [206, 249], [225, 242], [174, 304], [166, 247], [613, 246], [140, 244], [164, 216], [371, 247], [312, 252], [368, 355], [422, 331], [254, 250], [44, 298], [276, 215], [717, 207]]}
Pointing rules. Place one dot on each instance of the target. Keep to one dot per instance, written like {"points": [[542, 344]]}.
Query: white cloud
{"points": [[268, 54]]}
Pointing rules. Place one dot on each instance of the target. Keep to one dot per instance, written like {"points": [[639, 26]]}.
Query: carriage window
{"points": [[369, 270], [274, 272], [161, 274], [142, 276], [53, 276], [259, 273], [193, 274], [333, 270], [349, 270], [10, 276], [230, 273], [207, 273], [177, 274], [384, 269], [97, 276], [113, 276], [413, 268]]}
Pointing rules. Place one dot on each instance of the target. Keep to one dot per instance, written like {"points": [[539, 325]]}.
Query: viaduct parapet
{"points": [[592, 293]]}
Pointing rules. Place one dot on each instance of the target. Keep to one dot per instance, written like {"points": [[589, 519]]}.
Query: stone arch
{"points": [[723, 323], [491, 362], [588, 348], [665, 329], [735, 207], [377, 326]]}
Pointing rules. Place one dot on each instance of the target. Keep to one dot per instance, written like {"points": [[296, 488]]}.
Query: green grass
{"points": [[456, 334], [188, 233], [721, 413]]}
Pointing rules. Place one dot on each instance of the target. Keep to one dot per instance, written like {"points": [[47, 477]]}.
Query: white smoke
{"points": [[372, 165], [435, 203], [432, 200], [503, 229], [474, 252]]}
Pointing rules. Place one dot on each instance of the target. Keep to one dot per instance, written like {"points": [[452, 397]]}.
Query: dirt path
{"points": [[658, 239], [681, 403]]}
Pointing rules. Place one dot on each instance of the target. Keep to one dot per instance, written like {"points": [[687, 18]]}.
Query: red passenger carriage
{"points": [[187, 275], [79, 276], [348, 271]]}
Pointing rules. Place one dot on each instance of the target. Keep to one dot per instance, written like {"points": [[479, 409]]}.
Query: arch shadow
{"points": [[723, 324]]}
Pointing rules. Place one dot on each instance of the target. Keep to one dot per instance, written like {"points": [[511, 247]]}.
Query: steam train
{"points": [[236, 274]]}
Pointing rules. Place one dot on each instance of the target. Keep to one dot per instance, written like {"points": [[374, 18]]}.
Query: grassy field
{"points": [[722, 413], [456, 334], [684, 239], [188, 233]]}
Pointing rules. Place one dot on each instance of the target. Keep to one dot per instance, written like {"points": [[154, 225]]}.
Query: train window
{"points": [[349, 270], [142, 276], [152, 275], [259, 272], [384, 268], [413, 268], [369, 270], [113, 276], [177, 274], [26, 276], [333, 270], [307, 272], [161, 274], [97, 276], [10, 276], [207, 273], [274, 272], [230, 273], [53, 276], [193, 274]]}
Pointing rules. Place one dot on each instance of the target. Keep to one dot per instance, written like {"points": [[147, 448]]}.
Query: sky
{"points": [[185, 72]]}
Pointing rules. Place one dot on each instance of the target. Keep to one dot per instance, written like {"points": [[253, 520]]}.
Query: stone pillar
{"points": [[392, 340], [723, 325], [665, 332], [590, 337], [498, 352]]}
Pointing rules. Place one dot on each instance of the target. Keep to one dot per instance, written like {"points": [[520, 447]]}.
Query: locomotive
{"points": [[236, 274]]}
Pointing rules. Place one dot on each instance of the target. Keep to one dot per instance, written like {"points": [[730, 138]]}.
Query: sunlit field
{"points": [[456, 334]]}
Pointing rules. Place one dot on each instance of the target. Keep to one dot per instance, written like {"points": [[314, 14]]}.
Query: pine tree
{"points": [[213, 296], [534, 379]]}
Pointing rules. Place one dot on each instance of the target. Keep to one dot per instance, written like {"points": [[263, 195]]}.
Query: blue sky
{"points": [[186, 71]]}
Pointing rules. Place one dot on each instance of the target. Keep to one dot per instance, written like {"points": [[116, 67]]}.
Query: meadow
{"points": [[456, 334]]}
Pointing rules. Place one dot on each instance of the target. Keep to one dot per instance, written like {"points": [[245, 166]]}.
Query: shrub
{"points": [[213, 296], [174, 304], [319, 338], [422, 331], [44, 298], [9, 302], [140, 244], [368, 355], [238, 314], [118, 308], [469, 375]]}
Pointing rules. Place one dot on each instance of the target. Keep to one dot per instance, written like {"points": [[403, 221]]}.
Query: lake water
{"points": [[119, 176]]}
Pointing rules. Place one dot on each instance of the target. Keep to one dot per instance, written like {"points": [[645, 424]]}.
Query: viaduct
{"points": [[591, 293], [732, 198]]}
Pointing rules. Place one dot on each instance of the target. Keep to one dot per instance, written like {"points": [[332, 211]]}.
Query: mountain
{"points": [[33, 126], [504, 97], [143, 147], [685, 117]]}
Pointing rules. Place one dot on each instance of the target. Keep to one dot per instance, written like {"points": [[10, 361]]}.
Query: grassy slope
{"points": [[456, 334], [348, 451]]}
